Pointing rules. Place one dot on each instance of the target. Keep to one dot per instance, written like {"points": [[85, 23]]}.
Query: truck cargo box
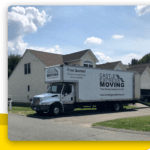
{"points": [[93, 84]]}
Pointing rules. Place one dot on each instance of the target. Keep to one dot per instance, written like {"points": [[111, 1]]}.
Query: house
{"points": [[28, 80], [144, 71], [112, 66]]}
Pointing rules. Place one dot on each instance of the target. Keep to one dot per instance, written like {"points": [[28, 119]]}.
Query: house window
{"points": [[88, 63], [85, 65], [28, 87], [27, 68]]}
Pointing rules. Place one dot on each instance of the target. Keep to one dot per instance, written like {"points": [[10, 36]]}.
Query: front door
{"points": [[67, 96]]}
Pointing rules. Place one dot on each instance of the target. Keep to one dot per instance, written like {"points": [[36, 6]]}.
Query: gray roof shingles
{"points": [[110, 65], [138, 68], [50, 59]]}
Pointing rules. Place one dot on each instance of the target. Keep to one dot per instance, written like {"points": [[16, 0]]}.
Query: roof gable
{"points": [[74, 56], [51, 59], [48, 59], [121, 66], [110, 65], [89, 51], [138, 68]]}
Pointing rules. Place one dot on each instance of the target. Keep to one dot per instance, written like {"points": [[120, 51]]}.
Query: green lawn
{"points": [[134, 123], [21, 110], [27, 110]]}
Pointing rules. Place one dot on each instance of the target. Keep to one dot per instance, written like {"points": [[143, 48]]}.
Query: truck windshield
{"points": [[54, 89]]}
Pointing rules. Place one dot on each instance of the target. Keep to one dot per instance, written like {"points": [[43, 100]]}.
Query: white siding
{"points": [[89, 57], [74, 63], [119, 67], [18, 81], [137, 86], [145, 79]]}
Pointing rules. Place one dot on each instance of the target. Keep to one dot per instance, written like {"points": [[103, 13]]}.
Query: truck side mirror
{"points": [[65, 94]]}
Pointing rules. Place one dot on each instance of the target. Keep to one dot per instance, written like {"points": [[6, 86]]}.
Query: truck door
{"points": [[67, 96]]}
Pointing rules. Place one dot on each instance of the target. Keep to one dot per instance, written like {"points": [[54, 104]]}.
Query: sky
{"points": [[113, 33]]}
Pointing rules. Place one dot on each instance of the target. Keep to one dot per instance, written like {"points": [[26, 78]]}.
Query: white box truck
{"points": [[73, 87]]}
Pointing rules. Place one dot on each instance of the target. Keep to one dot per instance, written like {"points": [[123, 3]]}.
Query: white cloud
{"points": [[116, 36], [102, 58], [56, 49], [142, 9], [93, 40], [128, 57], [124, 58], [23, 21], [17, 46], [49, 18]]}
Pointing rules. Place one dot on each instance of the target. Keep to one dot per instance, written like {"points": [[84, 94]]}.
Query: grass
{"points": [[26, 110], [94, 108], [21, 110], [129, 107], [85, 108], [134, 123]]}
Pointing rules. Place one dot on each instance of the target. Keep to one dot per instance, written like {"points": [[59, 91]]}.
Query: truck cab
{"points": [[58, 98]]}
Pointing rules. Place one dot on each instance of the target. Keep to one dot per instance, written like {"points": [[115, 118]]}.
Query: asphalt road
{"points": [[64, 128]]}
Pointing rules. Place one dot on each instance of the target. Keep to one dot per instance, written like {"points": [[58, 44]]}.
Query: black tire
{"points": [[145, 100], [100, 107], [55, 109], [40, 112], [121, 106], [116, 106]]}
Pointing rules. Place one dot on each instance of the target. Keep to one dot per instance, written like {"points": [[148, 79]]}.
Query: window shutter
{"points": [[29, 69], [25, 68], [28, 87]]}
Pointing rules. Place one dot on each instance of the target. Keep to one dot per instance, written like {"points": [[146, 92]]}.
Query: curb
{"points": [[122, 130]]}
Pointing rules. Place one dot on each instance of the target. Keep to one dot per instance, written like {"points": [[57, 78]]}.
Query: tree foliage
{"points": [[145, 59], [134, 61], [12, 62]]}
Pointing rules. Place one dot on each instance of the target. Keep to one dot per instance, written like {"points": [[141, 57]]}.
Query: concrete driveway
{"points": [[87, 118], [73, 127]]}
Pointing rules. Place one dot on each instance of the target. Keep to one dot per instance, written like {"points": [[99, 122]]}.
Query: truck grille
{"points": [[36, 100]]}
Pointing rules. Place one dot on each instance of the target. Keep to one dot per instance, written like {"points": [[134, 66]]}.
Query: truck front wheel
{"points": [[55, 110]]}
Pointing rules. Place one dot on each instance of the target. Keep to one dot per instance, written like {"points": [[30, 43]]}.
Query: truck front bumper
{"points": [[40, 107]]}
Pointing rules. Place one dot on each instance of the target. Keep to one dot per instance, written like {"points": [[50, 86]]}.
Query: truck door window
{"points": [[55, 89], [67, 89]]}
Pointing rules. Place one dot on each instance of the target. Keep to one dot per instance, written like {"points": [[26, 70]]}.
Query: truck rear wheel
{"points": [[146, 100], [116, 106]]}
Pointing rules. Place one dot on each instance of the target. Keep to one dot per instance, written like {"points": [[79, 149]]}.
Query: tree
{"points": [[12, 62], [134, 61], [145, 59]]}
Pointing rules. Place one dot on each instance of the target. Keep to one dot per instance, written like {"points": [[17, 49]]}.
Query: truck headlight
{"points": [[40, 101]]}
